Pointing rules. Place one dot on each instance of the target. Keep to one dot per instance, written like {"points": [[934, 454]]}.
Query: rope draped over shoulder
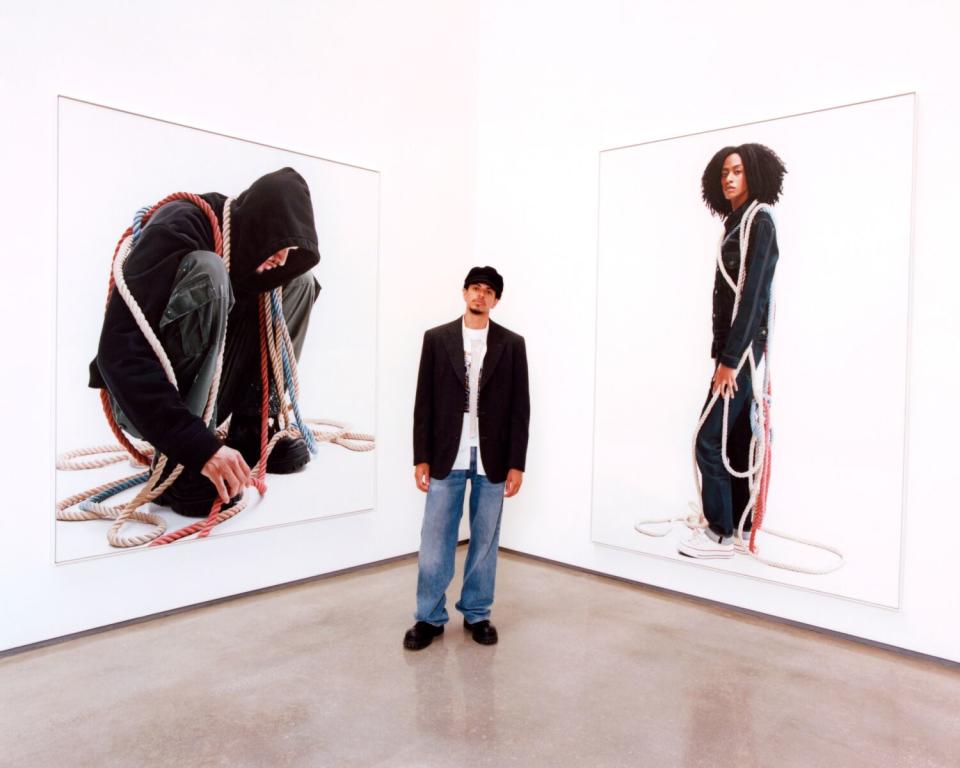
{"points": [[759, 454], [124, 244], [276, 356]]}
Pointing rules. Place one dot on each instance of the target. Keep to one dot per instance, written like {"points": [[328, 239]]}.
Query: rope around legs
{"points": [[759, 454]]}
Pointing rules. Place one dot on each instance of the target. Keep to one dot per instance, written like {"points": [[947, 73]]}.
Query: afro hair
{"points": [[764, 170]]}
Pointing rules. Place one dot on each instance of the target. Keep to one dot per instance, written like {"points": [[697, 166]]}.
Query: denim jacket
{"points": [[750, 325]]}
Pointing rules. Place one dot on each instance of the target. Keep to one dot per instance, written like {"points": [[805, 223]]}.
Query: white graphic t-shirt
{"points": [[474, 349]]}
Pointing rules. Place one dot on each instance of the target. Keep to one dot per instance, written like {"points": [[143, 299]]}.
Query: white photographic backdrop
{"points": [[838, 351], [110, 164]]}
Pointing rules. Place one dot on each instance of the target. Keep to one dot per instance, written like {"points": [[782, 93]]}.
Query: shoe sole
{"points": [[291, 465], [286, 468], [699, 555]]}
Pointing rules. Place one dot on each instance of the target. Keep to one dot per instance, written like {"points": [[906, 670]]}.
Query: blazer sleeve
{"points": [[761, 262], [423, 406], [520, 413]]}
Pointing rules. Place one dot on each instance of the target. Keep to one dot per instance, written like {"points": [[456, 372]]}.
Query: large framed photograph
{"points": [[111, 164], [835, 358]]}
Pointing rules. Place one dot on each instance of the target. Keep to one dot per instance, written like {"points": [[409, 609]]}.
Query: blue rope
{"points": [[130, 482], [279, 320], [756, 423], [138, 224]]}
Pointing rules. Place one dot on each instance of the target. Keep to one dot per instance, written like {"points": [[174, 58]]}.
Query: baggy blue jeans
{"points": [[438, 545]]}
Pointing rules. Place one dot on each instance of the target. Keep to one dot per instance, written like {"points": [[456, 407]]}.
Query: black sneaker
{"points": [[191, 495], [483, 631], [420, 635], [288, 455]]}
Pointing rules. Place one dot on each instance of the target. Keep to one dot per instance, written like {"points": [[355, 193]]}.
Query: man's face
{"points": [[480, 298], [275, 260], [733, 180]]}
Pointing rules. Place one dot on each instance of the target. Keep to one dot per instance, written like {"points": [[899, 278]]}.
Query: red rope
{"points": [[761, 506], [118, 432], [110, 284], [211, 520], [217, 246], [188, 530]]}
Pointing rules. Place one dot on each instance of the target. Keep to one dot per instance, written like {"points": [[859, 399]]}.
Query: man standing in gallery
{"points": [[470, 422]]}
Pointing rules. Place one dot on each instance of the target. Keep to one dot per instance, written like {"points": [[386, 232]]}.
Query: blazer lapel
{"points": [[453, 341], [495, 345]]}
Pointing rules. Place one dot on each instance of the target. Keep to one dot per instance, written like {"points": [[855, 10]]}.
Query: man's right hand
{"points": [[421, 473], [228, 472]]}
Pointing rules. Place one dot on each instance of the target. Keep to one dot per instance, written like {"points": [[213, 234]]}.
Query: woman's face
{"points": [[733, 180]]}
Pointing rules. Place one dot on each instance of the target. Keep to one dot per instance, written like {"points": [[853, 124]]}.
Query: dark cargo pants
{"points": [[194, 329]]}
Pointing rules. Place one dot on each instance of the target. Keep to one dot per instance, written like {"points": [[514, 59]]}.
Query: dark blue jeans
{"points": [[724, 497]]}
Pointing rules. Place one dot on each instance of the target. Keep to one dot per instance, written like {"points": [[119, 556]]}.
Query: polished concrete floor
{"points": [[589, 672]]}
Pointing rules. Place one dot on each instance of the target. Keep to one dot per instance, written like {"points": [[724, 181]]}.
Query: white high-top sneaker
{"points": [[703, 543]]}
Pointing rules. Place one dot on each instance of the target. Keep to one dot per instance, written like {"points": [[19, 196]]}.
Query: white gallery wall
{"points": [[355, 82], [558, 83], [485, 122]]}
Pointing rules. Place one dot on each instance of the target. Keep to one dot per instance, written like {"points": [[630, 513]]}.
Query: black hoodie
{"points": [[274, 213]]}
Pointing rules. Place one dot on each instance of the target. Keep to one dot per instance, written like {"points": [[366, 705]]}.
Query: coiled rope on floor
{"points": [[275, 346], [759, 453]]}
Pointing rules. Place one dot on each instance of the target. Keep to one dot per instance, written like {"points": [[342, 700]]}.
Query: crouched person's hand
{"points": [[228, 472]]}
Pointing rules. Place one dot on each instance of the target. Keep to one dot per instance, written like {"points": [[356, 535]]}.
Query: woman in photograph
{"points": [[739, 184]]}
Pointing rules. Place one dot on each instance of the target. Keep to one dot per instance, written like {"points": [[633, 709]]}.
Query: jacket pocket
{"points": [[188, 316]]}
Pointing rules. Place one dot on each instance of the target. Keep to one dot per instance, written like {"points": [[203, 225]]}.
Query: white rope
{"points": [[112, 454], [352, 441], [137, 313], [756, 453]]}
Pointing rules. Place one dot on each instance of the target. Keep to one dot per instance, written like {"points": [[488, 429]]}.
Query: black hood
{"points": [[274, 213]]}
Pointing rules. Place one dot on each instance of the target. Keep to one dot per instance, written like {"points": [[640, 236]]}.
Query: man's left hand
{"points": [[514, 481]]}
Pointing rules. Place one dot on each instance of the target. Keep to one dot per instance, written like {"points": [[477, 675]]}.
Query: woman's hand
{"points": [[724, 381]]}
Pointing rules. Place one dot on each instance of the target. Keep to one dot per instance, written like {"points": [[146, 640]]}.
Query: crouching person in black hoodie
{"points": [[196, 308]]}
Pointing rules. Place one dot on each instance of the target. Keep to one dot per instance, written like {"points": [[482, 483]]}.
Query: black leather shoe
{"points": [[483, 631], [420, 635]]}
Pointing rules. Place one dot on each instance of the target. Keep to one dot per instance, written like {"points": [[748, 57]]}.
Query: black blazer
{"points": [[730, 341], [503, 401]]}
